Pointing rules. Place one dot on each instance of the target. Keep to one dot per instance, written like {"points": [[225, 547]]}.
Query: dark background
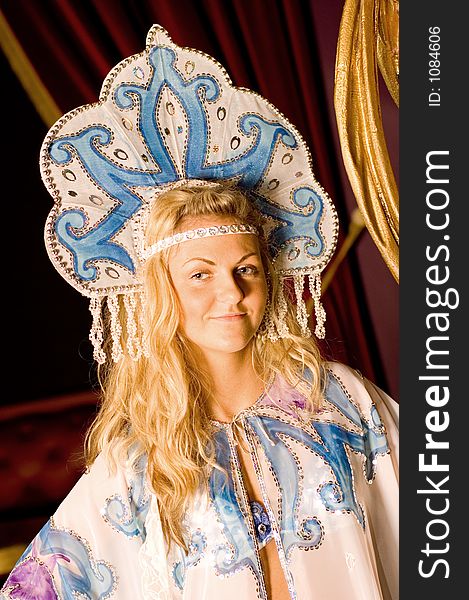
{"points": [[285, 50]]}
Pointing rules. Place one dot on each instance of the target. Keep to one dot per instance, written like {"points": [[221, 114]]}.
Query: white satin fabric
{"points": [[329, 487]]}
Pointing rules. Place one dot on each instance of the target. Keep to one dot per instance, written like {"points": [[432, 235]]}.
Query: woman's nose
{"points": [[230, 291]]}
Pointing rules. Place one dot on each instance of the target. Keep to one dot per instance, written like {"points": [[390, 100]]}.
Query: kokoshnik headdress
{"points": [[165, 117]]}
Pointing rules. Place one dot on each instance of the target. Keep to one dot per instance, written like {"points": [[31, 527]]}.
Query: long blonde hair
{"points": [[157, 404]]}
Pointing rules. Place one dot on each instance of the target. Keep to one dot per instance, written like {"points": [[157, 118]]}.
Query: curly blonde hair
{"points": [[158, 404]]}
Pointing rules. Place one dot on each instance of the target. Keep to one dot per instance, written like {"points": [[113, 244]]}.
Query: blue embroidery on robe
{"points": [[240, 551], [128, 515], [197, 546], [297, 530], [339, 495], [60, 559], [304, 533], [261, 522]]}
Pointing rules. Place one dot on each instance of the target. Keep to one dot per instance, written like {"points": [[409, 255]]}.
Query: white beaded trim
{"points": [[194, 234]]}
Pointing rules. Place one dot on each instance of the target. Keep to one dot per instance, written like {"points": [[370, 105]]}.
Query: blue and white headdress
{"points": [[166, 116]]}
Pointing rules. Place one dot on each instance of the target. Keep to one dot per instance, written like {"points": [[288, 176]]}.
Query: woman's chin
{"points": [[231, 346]]}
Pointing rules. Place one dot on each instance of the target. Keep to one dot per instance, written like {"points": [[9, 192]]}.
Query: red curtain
{"points": [[265, 45]]}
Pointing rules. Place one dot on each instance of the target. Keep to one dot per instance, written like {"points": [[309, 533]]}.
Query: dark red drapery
{"points": [[266, 45]]}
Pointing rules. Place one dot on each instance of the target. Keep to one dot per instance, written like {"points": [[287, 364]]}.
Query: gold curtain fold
{"points": [[388, 45], [22, 67], [368, 37]]}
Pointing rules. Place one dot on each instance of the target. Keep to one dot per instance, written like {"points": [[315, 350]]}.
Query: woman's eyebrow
{"points": [[210, 262], [246, 256], [205, 260]]}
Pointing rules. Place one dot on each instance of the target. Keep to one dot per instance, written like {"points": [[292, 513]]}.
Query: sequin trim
{"points": [[196, 234]]}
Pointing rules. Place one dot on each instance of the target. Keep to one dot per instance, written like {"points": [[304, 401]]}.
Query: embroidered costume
{"points": [[166, 117], [330, 505]]}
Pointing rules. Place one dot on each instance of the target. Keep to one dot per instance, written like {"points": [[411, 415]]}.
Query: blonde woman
{"points": [[227, 460], [224, 464]]}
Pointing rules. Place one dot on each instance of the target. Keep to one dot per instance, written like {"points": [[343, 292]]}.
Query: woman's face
{"points": [[221, 286]]}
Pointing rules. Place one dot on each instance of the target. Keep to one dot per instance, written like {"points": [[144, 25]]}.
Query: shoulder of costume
{"points": [[338, 370], [363, 392], [342, 370], [104, 479], [351, 381], [112, 501]]}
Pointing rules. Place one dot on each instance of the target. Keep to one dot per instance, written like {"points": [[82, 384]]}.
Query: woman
{"points": [[253, 451], [227, 459]]}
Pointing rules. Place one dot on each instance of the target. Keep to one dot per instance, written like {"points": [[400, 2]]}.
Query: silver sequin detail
{"points": [[201, 232]]}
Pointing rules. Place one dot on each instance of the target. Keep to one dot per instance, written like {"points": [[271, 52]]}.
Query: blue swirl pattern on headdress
{"points": [[296, 227], [116, 181], [90, 244]]}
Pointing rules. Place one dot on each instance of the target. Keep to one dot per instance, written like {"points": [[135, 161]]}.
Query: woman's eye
{"points": [[247, 270], [199, 275]]}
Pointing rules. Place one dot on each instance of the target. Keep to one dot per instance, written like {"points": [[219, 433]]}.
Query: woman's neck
{"points": [[235, 383]]}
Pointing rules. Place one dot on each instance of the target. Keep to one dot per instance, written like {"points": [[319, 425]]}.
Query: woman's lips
{"points": [[230, 317]]}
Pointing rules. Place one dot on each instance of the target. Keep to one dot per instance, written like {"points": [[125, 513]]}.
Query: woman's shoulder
{"points": [[113, 490], [95, 534], [360, 391], [344, 374]]}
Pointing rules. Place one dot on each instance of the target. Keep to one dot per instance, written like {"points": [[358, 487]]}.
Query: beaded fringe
{"points": [[125, 316], [319, 310], [314, 282], [126, 330], [277, 328]]}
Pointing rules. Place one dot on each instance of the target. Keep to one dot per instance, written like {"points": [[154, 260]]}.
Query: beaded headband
{"points": [[165, 117], [196, 234]]}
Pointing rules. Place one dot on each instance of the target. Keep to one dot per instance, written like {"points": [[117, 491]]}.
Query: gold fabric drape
{"points": [[22, 67], [368, 38]]}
